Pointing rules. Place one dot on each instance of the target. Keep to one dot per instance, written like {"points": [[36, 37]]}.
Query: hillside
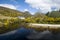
{"points": [[54, 14], [26, 14], [39, 14], [9, 12]]}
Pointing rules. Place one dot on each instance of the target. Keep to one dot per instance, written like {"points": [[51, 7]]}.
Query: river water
{"points": [[29, 34]]}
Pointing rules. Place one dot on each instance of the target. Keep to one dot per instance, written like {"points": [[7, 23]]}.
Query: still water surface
{"points": [[29, 34]]}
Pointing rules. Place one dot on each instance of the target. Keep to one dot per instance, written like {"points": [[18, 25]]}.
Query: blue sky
{"points": [[19, 4], [32, 5]]}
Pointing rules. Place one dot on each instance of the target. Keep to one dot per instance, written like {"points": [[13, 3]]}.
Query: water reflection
{"points": [[29, 34], [15, 35]]}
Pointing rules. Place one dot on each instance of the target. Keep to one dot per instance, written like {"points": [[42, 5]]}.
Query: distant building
{"points": [[20, 17]]}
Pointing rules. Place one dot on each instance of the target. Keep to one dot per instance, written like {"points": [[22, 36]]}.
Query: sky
{"points": [[32, 5]]}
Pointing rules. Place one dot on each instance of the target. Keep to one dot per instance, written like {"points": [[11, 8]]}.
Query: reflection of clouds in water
{"points": [[19, 34], [46, 35], [22, 34], [9, 33]]}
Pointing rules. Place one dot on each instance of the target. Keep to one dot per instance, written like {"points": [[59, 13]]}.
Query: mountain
{"points": [[27, 14], [10, 12], [13, 13], [39, 14], [54, 14]]}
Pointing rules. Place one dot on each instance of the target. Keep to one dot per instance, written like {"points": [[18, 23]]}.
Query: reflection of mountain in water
{"points": [[18, 34], [25, 34]]}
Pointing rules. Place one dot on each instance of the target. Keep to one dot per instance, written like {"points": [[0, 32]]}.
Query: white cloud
{"points": [[44, 5], [8, 6], [26, 10]]}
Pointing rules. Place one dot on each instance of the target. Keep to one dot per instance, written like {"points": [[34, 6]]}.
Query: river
{"points": [[29, 34]]}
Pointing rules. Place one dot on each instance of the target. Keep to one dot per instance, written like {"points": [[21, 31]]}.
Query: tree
{"points": [[47, 13]]}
